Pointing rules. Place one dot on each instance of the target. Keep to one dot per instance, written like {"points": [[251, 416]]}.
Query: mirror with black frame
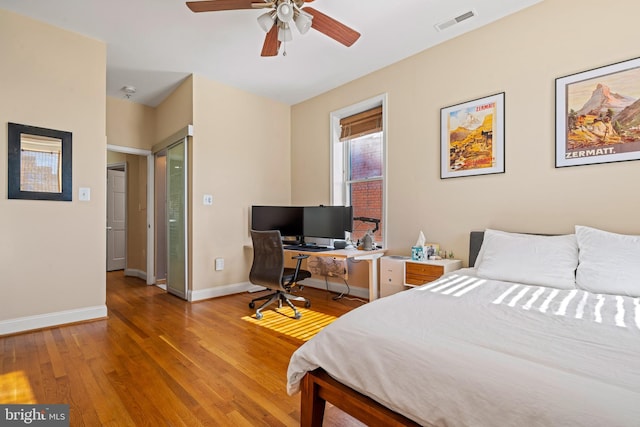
{"points": [[39, 161]]}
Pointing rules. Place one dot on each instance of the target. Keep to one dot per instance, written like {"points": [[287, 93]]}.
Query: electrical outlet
{"points": [[84, 194], [207, 200], [219, 264]]}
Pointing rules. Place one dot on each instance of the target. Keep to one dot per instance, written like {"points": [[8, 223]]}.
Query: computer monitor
{"points": [[329, 222], [287, 219]]}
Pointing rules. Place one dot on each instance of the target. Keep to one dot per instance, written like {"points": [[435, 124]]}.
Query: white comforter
{"points": [[464, 351]]}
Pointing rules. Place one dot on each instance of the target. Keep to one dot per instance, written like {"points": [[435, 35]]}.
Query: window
{"points": [[359, 165], [40, 171]]}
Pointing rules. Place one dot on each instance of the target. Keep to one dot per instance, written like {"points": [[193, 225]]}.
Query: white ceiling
{"points": [[154, 44]]}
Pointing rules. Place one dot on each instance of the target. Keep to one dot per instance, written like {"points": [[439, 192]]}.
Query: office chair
{"points": [[268, 270]]}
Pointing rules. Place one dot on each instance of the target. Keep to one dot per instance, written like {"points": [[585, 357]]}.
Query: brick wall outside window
{"points": [[366, 197]]}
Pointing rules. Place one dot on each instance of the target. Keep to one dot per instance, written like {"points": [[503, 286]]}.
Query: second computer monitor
{"points": [[329, 222]]}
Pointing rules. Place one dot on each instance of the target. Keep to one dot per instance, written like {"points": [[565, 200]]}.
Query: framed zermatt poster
{"points": [[598, 115]]}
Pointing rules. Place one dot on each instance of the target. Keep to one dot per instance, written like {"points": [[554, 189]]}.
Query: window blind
{"points": [[360, 124]]}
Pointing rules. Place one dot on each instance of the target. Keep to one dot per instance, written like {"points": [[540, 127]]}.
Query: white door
{"points": [[116, 220]]}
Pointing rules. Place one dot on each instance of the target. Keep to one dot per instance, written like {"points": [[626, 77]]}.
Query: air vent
{"points": [[458, 19]]}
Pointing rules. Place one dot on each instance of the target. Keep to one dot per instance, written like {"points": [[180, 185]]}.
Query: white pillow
{"points": [[609, 262], [482, 246], [530, 259]]}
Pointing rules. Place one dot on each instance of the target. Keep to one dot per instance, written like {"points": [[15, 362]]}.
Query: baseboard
{"points": [[219, 291], [23, 324], [133, 272]]}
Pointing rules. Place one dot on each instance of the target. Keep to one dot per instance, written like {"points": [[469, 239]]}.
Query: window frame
{"points": [[340, 158]]}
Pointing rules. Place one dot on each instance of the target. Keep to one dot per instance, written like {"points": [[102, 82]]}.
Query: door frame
{"points": [[184, 135], [185, 291], [151, 275]]}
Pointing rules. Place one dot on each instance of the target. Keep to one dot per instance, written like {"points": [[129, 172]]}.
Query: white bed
{"points": [[473, 351]]}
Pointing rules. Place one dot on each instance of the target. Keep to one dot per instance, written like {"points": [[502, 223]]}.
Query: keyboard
{"points": [[307, 248]]}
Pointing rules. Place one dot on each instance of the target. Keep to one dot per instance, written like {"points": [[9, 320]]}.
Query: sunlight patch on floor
{"points": [[15, 388], [281, 320]]}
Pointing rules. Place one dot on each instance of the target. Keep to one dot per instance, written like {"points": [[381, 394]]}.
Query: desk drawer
{"points": [[419, 274]]}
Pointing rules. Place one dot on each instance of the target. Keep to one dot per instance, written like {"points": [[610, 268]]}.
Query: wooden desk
{"points": [[370, 256]]}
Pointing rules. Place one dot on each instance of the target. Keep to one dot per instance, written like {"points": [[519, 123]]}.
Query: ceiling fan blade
{"points": [[271, 43], [216, 5], [332, 28]]}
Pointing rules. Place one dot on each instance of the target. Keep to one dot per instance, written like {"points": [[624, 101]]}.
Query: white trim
{"points": [[22, 324], [220, 291], [237, 288]]}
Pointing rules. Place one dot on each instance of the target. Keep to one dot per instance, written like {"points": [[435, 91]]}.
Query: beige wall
{"points": [[241, 155], [520, 55], [53, 253], [175, 112], [114, 157], [130, 124]]}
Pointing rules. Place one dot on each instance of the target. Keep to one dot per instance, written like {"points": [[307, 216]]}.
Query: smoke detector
{"points": [[128, 91]]}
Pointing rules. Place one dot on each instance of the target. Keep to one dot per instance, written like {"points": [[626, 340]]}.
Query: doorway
{"points": [[134, 247], [171, 208]]}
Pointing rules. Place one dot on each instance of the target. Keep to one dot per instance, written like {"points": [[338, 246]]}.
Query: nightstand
{"points": [[418, 273]]}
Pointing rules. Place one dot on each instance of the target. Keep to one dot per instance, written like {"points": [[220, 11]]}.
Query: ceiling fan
{"points": [[278, 19]]}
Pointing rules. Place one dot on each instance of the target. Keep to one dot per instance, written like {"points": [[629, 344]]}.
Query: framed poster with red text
{"points": [[472, 137]]}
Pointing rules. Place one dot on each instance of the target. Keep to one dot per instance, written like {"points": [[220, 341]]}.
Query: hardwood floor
{"points": [[158, 360]]}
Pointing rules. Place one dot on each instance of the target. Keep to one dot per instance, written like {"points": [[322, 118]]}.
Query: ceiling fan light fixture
{"points": [[285, 12], [266, 21], [285, 34], [303, 22]]}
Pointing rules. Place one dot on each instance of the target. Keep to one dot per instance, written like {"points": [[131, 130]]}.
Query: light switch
{"points": [[207, 200], [84, 194]]}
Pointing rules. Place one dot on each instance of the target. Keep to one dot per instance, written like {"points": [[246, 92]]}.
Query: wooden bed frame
{"points": [[318, 388]]}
